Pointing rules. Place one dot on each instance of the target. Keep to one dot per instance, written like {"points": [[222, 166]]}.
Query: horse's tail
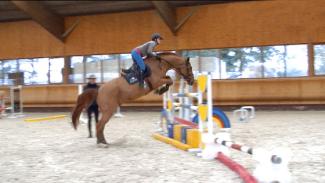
{"points": [[84, 100]]}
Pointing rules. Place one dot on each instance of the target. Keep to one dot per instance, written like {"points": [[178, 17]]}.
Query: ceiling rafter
{"points": [[49, 20], [168, 13]]}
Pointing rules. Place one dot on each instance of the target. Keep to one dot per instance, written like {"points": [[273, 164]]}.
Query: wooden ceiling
{"points": [[50, 14], [9, 11]]}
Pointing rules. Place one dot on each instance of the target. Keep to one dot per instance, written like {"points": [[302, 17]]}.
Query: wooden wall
{"points": [[212, 26], [301, 91], [239, 24]]}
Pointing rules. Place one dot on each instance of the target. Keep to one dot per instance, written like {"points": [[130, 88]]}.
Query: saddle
{"points": [[132, 74]]}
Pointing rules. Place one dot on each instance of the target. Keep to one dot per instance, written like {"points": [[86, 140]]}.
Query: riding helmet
{"points": [[156, 36]]}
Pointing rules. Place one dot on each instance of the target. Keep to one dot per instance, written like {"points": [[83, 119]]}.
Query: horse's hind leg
{"points": [[106, 115]]}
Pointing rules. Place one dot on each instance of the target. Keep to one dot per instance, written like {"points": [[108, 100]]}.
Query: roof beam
{"points": [[168, 13], [52, 22]]}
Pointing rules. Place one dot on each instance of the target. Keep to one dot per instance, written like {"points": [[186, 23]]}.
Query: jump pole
{"points": [[45, 118], [271, 167], [236, 167], [248, 150]]}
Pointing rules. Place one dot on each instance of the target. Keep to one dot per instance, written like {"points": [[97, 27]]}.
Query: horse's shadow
{"points": [[124, 142], [119, 142]]}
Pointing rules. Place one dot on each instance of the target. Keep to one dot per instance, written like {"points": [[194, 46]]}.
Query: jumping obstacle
{"points": [[271, 167], [45, 118], [248, 150], [2, 103], [181, 128], [244, 114], [186, 135], [193, 136], [16, 102], [218, 116]]}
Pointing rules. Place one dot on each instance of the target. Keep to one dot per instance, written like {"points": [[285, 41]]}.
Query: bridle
{"points": [[186, 64]]}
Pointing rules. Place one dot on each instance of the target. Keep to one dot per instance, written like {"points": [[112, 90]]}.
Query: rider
{"points": [[93, 108], [145, 50]]}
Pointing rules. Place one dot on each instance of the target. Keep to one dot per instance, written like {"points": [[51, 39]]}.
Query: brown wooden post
{"points": [[311, 60], [66, 69]]}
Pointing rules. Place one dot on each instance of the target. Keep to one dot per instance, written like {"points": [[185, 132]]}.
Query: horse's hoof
{"points": [[102, 145]]}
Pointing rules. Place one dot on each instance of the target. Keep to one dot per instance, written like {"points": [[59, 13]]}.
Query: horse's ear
{"points": [[187, 59]]}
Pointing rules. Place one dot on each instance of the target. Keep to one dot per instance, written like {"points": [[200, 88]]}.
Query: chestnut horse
{"points": [[117, 91]]}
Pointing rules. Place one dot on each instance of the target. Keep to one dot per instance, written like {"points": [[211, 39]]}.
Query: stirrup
{"points": [[141, 84], [126, 71]]}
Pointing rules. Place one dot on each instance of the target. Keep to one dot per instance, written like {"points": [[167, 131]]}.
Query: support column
{"points": [[311, 60], [66, 69]]}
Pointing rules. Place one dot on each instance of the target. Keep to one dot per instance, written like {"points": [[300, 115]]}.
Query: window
{"points": [[204, 61], [93, 66], [9, 69], [111, 64], [228, 63], [265, 62], [77, 66], [295, 61], [31, 71], [125, 61], [35, 71], [56, 70], [319, 51], [251, 62]]}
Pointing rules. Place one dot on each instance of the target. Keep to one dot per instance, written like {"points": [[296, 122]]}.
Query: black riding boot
{"points": [[140, 78]]}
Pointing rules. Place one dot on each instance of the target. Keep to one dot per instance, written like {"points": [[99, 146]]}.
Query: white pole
{"points": [[193, 108], [21, 99], [170, 98], [186, 110], [12, 100], [200, 101], [165, 101], [210, 105], [79, 89], [181, 99], [118, 113]]}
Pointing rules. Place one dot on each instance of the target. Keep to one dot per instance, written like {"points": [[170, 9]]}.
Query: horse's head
{"points": [[181, 65], [186, 71]]}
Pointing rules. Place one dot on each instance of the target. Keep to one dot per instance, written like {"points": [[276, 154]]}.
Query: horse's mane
{"points": [[167, 53], [161, 54]]}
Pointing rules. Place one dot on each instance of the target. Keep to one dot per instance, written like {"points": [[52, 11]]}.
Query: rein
{"points": [[186, 64], [172, 66]]}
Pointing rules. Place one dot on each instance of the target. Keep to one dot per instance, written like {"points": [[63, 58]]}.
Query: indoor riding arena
{"points": [[229, 91]]}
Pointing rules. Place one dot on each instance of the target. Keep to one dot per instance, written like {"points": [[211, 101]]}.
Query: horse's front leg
{"points": [[166, 81]]}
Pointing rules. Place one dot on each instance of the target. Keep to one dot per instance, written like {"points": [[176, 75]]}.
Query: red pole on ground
{"points": [[234, 166], [185, 122]]}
